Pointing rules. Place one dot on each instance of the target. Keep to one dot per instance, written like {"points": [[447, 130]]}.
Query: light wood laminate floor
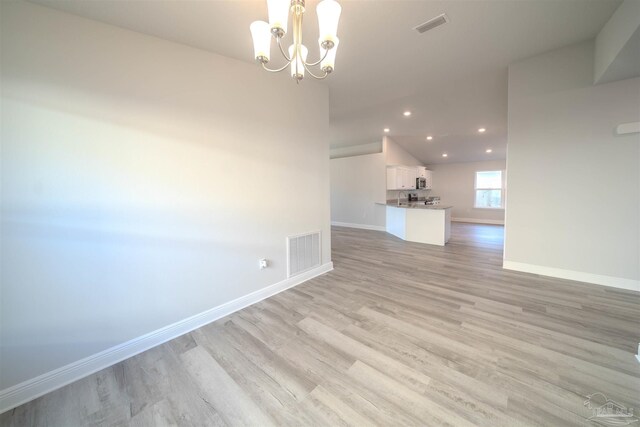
{"points": [[398, 334]]}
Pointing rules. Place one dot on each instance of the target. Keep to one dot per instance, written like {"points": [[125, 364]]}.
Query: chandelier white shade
{"points": [[261, 33], [297, 66], [279, 13], [328, 12]]}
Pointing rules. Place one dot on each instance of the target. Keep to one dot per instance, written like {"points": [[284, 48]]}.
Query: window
{"points": [[489, 190]]}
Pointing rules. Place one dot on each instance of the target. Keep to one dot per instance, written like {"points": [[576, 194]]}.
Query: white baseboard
{"points": [[598, 279], [479, 221], [362, 226], [45, 383]]}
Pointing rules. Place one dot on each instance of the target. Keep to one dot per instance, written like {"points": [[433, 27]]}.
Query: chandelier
{"points": [[328, 12]]}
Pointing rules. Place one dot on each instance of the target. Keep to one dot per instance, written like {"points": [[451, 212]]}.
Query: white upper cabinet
{"points": [[392, 178], [410, 177], [428, 175], [401, 178], [404, 177]]}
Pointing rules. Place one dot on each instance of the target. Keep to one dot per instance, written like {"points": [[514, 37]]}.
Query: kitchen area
{"points": [[383, 187], [412, 213]]}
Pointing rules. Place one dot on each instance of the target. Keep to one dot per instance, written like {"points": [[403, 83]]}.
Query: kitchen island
{"points": [[417, 222]]}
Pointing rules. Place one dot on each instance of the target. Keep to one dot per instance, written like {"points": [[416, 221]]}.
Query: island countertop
{"points": [[416, 205]]}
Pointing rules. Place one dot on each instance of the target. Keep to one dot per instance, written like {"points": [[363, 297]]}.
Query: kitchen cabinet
{"points": [[409, 178], [422, 225], [401, 178], [428, 176]]}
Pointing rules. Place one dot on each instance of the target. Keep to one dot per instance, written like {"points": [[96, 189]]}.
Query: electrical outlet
{"points": [[638, 355], [263, 263]]}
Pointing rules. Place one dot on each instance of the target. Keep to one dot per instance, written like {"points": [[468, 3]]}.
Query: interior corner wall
{"points": [[573, 208], [454, 184], [141, 182], [356, 150], [397, 155], [617, 45], [357, 184]]}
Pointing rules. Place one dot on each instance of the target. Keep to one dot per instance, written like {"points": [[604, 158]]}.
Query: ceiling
{"points": [[453, 78]]}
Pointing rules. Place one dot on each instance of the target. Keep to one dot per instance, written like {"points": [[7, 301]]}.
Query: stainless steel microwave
{"points": [[421, 183]]}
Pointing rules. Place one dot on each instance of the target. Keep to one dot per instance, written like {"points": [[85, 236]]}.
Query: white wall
{"points": [[357, 183], [141, 182], [397, 155], [454, 183], [573, 205]]}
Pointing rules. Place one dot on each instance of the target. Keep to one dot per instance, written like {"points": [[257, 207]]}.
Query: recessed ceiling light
{"points": [[407, 113], [386, 130], [489, 150], [445, 155], [481, 130], [429, 138]]}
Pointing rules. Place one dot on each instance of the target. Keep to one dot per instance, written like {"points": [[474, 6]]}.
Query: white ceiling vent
{"points": [[432, 23]]}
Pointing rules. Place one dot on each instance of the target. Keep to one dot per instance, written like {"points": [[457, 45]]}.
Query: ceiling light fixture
{"points": [[406, 113], [489, 150], [429, 138], [386, 130], [481, 130], [328, 16], [445, 155]]}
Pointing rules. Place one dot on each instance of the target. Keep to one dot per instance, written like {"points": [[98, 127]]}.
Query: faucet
{"points": [[399, 193]]}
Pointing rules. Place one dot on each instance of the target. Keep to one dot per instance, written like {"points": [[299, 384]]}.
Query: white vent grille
{"points": [[432, 23], [303, 253]]}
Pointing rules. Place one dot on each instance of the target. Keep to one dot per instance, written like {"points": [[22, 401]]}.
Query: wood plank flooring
{"points": [[398, 334]]}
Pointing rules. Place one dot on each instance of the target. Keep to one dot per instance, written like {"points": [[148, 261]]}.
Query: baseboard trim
{"points": [[50, 381], [361, 226], [479, 221], [598, 279]]}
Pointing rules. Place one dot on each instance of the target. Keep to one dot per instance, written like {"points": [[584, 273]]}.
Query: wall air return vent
{"points": [[432, 23], [303, 253]]}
